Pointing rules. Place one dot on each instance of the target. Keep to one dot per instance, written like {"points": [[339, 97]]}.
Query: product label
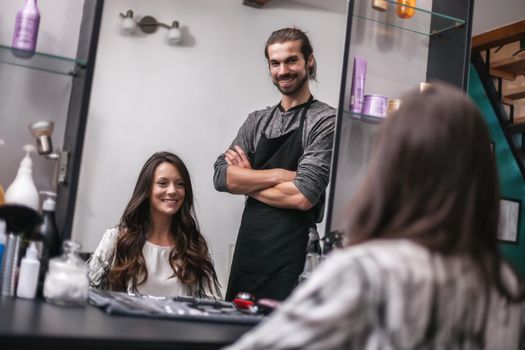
{"points": [[26, 31]]}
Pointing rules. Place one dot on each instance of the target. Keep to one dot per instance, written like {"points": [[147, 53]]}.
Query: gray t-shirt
{"points": [[314, 165]]}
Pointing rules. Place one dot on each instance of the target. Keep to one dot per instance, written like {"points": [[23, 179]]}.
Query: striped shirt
{"points": [[318, 132], [393, 294]]}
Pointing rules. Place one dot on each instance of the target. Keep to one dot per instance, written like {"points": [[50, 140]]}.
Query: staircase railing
{"points": [[507, 68]]}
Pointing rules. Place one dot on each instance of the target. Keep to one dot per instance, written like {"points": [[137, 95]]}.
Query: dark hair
{"points": [[433, 179], [189, 259], [293, 34]]}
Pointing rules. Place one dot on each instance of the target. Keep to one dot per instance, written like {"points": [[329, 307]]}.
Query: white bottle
{"points": [[23, 190], [28, 275]]}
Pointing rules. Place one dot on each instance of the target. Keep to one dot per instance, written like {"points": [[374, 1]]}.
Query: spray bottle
{"points": [[29, 270], [313, 254], [23, 190]]}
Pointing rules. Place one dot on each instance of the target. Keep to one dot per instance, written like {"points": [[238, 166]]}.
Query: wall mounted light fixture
{"points": [[148, 25], [42, 131]]}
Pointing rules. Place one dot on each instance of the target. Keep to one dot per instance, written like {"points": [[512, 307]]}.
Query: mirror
{"points": [[189, 99]]}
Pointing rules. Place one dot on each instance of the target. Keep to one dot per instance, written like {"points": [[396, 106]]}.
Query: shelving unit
{"points": [[439, 23], [41, 61], [80, 70], [438, 37]]}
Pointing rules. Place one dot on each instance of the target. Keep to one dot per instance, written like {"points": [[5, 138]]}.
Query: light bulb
{"points": [[128, 24], [42, 131], [174, 34]]}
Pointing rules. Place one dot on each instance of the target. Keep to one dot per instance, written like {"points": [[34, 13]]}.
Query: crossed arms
{"points": [[274, 187], [280, 188]]}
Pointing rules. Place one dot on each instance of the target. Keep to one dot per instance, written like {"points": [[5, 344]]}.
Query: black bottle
{"points": [[48, 233]]}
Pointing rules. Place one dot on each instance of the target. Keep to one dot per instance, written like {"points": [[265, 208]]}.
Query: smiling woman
{"points": [[167, 195], [157, 249]]}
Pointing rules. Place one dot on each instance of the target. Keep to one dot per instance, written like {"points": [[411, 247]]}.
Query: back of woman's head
{"points": [[432, 176], [433, 179]]}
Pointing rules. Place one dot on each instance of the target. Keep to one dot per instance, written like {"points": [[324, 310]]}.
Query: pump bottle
{"points": [[23, 190], [28, 275], [313, 254]]}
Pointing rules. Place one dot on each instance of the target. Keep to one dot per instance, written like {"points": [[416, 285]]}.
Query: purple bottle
{"points": [[26, 30]]}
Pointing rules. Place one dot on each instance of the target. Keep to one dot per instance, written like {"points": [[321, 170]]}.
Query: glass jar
{"points": [[66, 280], [403, 10]]}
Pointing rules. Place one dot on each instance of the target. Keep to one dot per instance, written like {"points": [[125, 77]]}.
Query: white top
{"points": [[159, 282], [392, 294]]}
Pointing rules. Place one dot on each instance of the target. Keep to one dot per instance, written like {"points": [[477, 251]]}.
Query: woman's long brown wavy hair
{"points": [[433, 179], [189, 258]]}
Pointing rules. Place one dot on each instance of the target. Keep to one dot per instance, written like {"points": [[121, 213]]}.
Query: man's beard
{"points": [[292, 89]]}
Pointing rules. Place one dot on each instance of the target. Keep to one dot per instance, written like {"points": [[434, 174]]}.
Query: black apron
{"points": [[271, 245]]}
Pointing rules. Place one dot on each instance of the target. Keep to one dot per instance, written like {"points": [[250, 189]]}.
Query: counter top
{"points": [[34, 323]]}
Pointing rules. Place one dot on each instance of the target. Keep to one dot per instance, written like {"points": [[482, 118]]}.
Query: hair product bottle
{"points": [[403, 9], [28, 276], [357, 89], [313, 254], [23, 190], [49, 229], [26, 29], [2, 241], [9, 262], [47, 232], [2, 195]]}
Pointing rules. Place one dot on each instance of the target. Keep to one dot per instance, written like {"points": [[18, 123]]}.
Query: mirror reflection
{"points": [[280, 159], [193, 99], [157, 248]]}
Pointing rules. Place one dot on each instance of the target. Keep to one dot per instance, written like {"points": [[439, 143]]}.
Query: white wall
{"points": [[490, 14], [487, 18], [148, 96]]}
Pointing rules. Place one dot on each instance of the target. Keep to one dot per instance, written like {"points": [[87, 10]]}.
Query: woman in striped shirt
{"points": [[421, 268]]}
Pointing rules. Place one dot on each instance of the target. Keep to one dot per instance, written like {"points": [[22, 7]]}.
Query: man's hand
{"points": [[236, 156]]}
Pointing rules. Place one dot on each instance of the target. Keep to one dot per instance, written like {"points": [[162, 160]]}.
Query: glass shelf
{"points": [[366, 118], [40, 61], [423, 22]]}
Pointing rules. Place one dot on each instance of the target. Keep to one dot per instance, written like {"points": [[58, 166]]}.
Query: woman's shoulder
{"points": [[373, 260], [111, 234], [381, 250], [109, 239]]}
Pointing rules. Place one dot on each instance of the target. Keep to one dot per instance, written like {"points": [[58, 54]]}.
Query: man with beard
{"points": [[280, 159]]}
